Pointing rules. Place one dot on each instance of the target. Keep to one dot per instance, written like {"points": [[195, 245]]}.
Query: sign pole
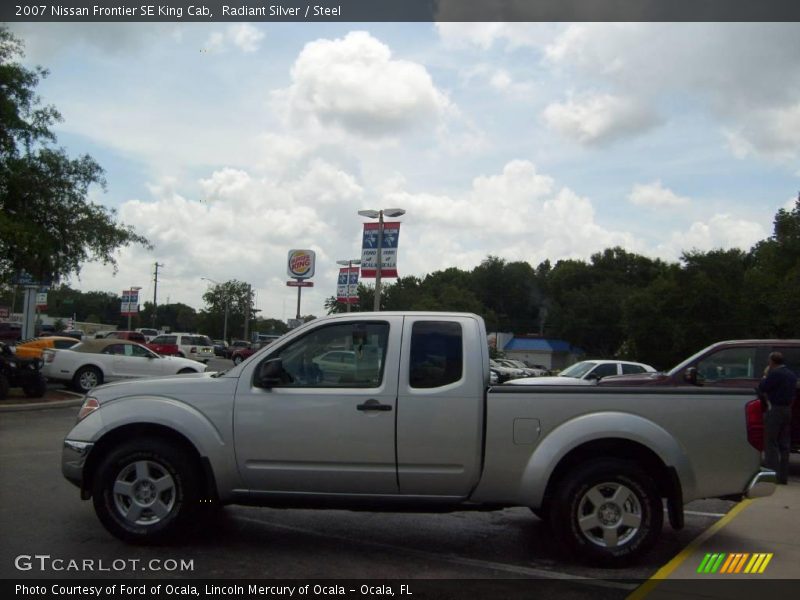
{"points": [[299, 289]]}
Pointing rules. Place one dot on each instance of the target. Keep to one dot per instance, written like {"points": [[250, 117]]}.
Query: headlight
{"points": [[90, 405]]}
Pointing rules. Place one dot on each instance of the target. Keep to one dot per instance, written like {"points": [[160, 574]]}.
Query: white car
{"points": [[194, 346], [505, 372], [587, 372], [94, 362]]}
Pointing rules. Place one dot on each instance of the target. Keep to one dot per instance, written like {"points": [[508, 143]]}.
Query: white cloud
{"points": [[720, 231], [460, 35], [599, 118], [355, 85], [243, 36], [655, 195], [744, 75]]}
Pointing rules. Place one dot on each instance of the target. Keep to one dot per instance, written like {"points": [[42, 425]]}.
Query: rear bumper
{"points": [[763, 484]]}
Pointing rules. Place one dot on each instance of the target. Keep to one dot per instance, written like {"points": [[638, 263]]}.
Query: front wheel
{"points": [[145, 491], [35, 388], [607, 512], [237, 359]]}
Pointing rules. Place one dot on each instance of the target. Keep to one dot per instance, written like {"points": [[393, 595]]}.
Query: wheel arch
{"points": [[131, 431], [610, 435]]}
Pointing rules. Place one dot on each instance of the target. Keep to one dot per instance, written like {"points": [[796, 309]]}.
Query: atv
{"points": [[20, 372]]}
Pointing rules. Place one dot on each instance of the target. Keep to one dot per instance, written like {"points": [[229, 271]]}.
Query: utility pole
{"points": [[155, 294]]}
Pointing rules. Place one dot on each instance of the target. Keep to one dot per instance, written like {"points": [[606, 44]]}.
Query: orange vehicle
{"points": [[33, 347]]}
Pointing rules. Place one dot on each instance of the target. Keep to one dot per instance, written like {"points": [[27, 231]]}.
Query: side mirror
{"points": [[271, 373], [593, 377], [691, 376]]}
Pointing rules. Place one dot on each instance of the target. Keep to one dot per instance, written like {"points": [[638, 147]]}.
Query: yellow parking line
{"points": [[648, 586]]}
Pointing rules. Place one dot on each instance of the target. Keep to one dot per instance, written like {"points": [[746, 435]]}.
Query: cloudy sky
{"points": [[227, 145]]}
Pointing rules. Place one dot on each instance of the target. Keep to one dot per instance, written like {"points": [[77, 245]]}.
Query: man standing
{"points": [[780, 387]]}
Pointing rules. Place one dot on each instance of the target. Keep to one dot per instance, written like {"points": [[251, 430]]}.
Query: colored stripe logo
{"points": [[734, 563]]}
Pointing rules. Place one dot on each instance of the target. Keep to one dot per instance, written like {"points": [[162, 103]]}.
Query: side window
{"points": [[605, 370], [631, 369], [791, 356], [62, 344], [730, 363], [114, 349], [342, 355], [139, 351], [437, 354]]}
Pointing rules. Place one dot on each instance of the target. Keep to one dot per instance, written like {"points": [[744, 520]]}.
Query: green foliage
{"points": [[48, 226]]}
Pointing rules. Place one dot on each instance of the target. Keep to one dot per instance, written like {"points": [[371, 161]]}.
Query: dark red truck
{"points": [[732, 363]]}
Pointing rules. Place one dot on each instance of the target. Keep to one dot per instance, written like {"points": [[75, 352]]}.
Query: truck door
{"points": [[440, 406], [323, 430]]}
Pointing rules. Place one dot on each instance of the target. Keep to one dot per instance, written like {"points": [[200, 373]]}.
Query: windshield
{"points": [[578, 370]]}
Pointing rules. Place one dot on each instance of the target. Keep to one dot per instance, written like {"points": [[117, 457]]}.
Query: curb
{"points": [[28, 406]]}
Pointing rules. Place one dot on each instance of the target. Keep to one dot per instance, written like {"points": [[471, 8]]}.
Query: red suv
{"points": [[733, 363]]}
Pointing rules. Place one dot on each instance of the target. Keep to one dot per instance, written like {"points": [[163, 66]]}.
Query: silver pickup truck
{"points": [[390, 411]]}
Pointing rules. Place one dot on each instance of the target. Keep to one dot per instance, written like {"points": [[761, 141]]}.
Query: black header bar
{"points": [[399, 10]]}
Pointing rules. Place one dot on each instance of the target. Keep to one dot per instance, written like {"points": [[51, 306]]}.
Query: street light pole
{"points": [[349, 263], [225, 320], [372, 214]]}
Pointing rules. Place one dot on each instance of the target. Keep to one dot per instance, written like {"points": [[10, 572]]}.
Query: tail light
{"points": [[755, 424], [193, 350]]}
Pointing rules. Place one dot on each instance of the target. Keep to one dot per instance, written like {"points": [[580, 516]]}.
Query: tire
{"points": [[607, 512], [146, 491], [3, 387], [186, 370], [86, 378], [237, 359], [35, 388]]}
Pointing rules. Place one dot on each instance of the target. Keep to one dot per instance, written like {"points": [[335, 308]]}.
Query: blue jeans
{"points": [[777, 440]]}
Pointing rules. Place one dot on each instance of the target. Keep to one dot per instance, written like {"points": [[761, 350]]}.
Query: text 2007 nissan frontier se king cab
{"points": [[390, 411]]}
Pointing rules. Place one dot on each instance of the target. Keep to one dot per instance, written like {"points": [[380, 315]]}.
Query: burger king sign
{"points": [[301, 264]]}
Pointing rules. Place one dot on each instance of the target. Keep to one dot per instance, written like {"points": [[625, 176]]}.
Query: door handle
{"points": [[373, 404]]}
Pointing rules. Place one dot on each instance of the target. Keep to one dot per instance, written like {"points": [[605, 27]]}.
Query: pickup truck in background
{"points": [[408, 424], [728, 364]]}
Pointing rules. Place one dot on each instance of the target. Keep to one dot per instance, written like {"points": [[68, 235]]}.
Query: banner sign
{"points": [[347, 286], [369, 250], [130, 303], [301, 264], [41, 300]]}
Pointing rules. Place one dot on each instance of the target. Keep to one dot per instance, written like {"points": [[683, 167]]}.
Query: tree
{"points": [[48, 226], [238, 295]]}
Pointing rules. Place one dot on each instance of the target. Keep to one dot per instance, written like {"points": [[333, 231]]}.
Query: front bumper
{"points": [[763, 484], [73, 459]]}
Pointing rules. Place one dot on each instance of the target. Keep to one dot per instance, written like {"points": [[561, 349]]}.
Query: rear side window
{"points": [[791, 356], [630, 369], [63, 344], [437, 354]]}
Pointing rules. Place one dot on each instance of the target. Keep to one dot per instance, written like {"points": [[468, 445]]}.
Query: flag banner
{"points": [[347, 285], [369, 250], [130, 303]]}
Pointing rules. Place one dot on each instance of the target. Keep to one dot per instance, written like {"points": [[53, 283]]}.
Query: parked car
{"points": [[243, 352], [505, 373], [73, 333], [194, 346], [165, 345], [587, 372], [20, 372], [518, 364], [415, 426], [94, 362], [33, 347], [131, 336], [10, 333], [148, 333], [221, 348], [729, 364]]}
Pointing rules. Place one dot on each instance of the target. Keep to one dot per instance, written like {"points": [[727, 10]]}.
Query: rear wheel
{"points": [[87, 378], [186, 370], [237, 359], [145, 491], [607, 512]]}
